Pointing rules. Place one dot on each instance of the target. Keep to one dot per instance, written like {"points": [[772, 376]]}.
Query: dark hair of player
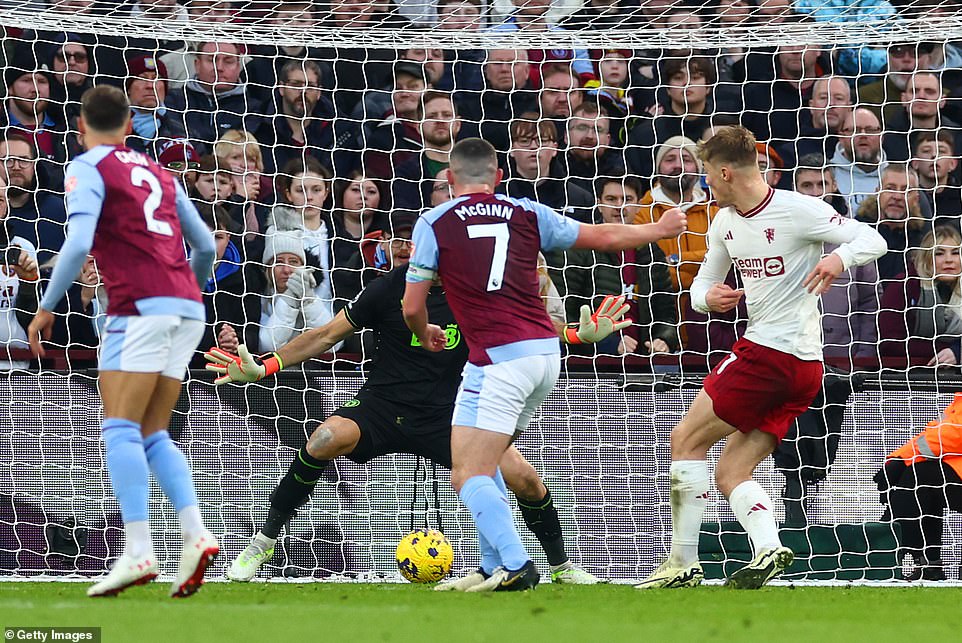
{"points": [[733, 145], [474, 162], [105, 108]]}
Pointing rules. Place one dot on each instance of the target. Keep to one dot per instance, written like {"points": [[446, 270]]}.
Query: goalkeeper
{"points": [[404, 406]]}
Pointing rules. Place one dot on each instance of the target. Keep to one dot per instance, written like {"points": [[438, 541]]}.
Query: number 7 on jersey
{"points": [[501, 234]]}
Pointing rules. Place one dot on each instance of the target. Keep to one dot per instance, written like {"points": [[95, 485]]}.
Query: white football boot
{"points": [[126, 572], [198, 553]]}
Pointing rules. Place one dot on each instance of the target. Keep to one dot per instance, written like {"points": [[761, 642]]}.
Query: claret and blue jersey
{"points": [[485, 248], [133, 216]]}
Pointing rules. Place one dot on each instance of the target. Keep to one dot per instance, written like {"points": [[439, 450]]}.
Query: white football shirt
{"points": [[774, 247]]}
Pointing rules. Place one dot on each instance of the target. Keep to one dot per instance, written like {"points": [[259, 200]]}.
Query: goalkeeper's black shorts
{"points": [[388, 427]]}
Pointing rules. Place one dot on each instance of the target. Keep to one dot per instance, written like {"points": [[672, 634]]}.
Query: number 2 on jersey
{"points": [[500, 233], [138, 177]]}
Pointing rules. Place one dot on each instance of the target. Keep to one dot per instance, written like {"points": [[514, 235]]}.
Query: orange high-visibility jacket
{"points": [[942, 438]]}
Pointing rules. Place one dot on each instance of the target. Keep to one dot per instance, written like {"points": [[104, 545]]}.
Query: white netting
{"points": [[331, 124]]}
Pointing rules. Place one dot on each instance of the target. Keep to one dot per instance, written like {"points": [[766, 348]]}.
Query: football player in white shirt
{"points": [[774, 238]]}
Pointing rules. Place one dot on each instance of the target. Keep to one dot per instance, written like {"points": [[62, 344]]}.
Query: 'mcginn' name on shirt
{"points": [[501, 211]]}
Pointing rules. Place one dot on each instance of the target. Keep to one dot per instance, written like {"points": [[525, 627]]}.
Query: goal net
{"points": [[315, 134]]}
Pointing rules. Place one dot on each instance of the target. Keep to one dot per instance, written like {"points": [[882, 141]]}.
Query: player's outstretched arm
{"points": [[594, 327], [611, 237], [245, 367]]}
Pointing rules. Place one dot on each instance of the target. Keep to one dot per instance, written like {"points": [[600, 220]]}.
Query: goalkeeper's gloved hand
{"points": [[242, 367], [594, 327]]}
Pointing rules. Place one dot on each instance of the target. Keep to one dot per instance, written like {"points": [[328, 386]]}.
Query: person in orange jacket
{"points": [[918, 482]]}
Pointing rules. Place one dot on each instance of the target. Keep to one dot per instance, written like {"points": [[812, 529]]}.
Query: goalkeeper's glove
{"points": [[594, 327], [242, 367]]}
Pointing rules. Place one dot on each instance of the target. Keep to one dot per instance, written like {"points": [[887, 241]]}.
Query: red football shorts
{"points": [[761, 388]]}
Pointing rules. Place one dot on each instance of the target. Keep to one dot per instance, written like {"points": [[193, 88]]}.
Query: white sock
{"points": [[137, 543], [264, 542], [191, 522], [753, 508], [689, 497]]}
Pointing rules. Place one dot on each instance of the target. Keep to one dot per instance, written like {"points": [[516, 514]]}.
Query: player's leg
{"points": [[752, 506], [541, 517], [508, 395], [691, 439], [334, 437], [167, 461], [125, 397]]}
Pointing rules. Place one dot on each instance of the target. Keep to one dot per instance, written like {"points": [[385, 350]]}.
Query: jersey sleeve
{"points": [[85, 189], [85, 198], [858, 243], [557, 232], [198, 236], [713, 269], [424, 261], [369, 307]]}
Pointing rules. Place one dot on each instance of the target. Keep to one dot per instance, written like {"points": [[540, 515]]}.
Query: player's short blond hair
{"points": [[731, 145]]}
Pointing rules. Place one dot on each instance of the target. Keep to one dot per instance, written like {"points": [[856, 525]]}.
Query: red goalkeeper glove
{"points": [[242, 367], [594, 327]]}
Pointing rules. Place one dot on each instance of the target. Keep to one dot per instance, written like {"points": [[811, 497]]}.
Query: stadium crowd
{"points": [[311, 164]]}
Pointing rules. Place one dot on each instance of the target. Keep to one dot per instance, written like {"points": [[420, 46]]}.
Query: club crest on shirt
{"points": [[70, 184], [770, 235]]}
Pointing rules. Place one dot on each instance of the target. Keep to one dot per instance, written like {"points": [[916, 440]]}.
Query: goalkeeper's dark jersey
{"points": [[402, 371]]}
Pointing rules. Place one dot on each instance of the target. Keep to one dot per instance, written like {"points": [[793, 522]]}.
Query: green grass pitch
{"points": [[272, 612]]}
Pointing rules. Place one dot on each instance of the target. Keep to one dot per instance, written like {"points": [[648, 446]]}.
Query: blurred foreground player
{"points": [[484, 247], [774, 238], [404, 407], [133, 216]]}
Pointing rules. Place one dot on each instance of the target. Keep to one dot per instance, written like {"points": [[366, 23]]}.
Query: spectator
{"points": [[231, 315], [241, 154], [392, 138], [922, 110], [610, 90], [770, 164], [214, 183], [180, 158], [677, 185], [897, 216], [306, 125], [599, 14], [179, 62], [918, 482], [360, 208], [919, 316], [460, 15], [884, 96], [821, 121], [506, 95], [813, 178], [214, 100], [73, 70], [589, 275], [305, 189], [29, 110], [439, 128], [935, 160], [36, 213], [533, 174], [288, 305], [773, 12], [379, 101], [771, 108], [859, 158], [18, 287], [731, 61], [440, 190], [146, 86], [380, 251], [82, 313], [686, 112], [266, 69], [559, 95], [529, 15], [589, 155]]}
